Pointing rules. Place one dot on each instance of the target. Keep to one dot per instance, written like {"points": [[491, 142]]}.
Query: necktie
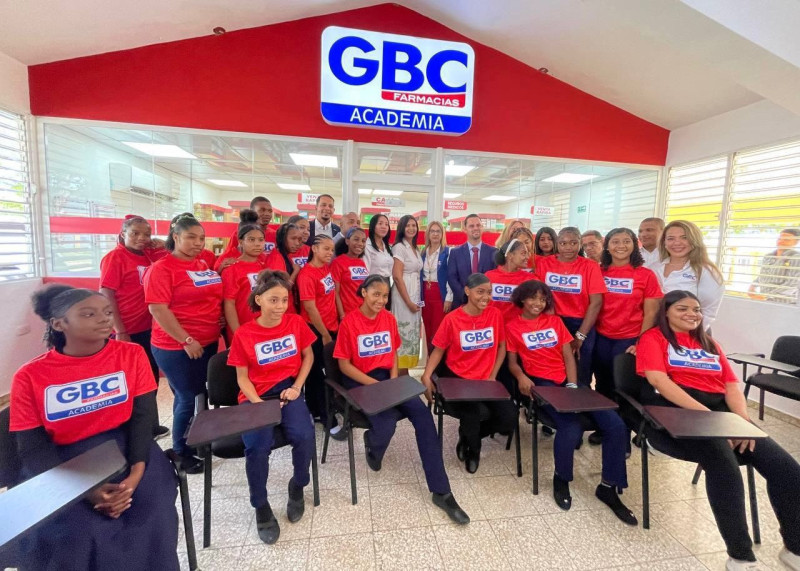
{"points": [[474, 260]]}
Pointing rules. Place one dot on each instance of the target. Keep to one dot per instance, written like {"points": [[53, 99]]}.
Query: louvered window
{"points": [[17, 260]]}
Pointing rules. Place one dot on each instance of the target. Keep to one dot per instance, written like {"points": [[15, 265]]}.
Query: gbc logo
{"points": [[693, 359], [477, 339], [619, 285], [270, 351], [540, 339], [300, 261], [358, 274], [269, 246], [374, 344], [502, 292], [327, 284], [565, 283], [88, 395], [204, 278]]}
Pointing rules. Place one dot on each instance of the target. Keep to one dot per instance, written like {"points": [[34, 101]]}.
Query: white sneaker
{"points": [[740, 565], [791, 560]]}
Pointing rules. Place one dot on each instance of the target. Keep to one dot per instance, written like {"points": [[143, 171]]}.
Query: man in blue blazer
{"points": [[462, 261], [322, 223]]}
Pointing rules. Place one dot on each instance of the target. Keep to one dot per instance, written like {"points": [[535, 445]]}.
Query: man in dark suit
{"points": [[469, 258], [322, 223]]}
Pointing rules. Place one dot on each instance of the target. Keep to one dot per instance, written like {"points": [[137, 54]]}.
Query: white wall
{"points": [[744, 325], [20, 338]]}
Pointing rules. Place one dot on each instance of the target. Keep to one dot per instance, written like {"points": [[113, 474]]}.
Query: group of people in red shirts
{"points": [[535, 317]]}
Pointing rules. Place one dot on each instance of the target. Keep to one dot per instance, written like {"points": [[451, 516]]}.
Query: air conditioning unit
{"points": [[140, 181]]}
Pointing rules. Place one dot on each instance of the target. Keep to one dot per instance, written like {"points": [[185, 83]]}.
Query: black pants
{"points": [[143, 339], [724, 484], [315, 383], [605, 351], [584, 356]]}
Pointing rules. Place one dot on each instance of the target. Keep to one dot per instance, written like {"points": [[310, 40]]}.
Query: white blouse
{"points": [[708, 290], [377, 261], [430, 271], [650, 258]]}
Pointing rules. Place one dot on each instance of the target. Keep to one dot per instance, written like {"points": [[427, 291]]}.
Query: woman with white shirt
{"points": [[685, 265], [436, 292], [407, 292], [378, 253]]}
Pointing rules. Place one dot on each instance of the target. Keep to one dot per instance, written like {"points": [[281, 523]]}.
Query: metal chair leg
{"points": [[315, 472], [645, 482], [508, 441], [517, 448], [328, 424], [751, 486], [207, 497], [351, 454], [440, 412], [188, 528], [697, 473], [761, 404], [535, 452]]}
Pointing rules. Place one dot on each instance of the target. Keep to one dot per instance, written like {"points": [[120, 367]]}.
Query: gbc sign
{"points": [[388, 81]]}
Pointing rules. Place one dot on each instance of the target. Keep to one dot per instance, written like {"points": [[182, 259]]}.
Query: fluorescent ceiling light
{"points": [[373, 163], [289, 186], [452, 194], [455, 170], [498, 198], [304, 160], [155, 150], [364, 191], [226, 182], [387, 192], [570, 178]]}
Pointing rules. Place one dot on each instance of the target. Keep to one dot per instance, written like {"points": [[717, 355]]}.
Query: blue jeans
{"points": [[587, 350], [296, 425], [187, 379], [383, 426], [605, 350], [569, 432]]}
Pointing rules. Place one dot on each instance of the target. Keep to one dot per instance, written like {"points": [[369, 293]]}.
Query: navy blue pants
{"points": [[145, 536], [296, 425], [187, 379], [605, 350], [569, 432], [383, 426], [587, 350]]}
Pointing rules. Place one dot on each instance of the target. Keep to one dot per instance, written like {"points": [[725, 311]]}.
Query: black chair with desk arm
{"points": [[11, 475], [223, 391]]}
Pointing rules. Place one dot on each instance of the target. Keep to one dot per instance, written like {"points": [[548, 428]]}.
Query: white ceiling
{"points": [[672, 62]]}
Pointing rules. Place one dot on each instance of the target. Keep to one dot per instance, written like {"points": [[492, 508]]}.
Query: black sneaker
{"points": [[547, 431], [160, 432], [339, 433], [296, 505], [192, 464], [596, 438], [268, 529], [448, 504], [608, 495], [372, 462], [561, 493]]}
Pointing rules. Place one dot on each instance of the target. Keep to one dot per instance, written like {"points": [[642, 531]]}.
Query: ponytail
{"points": [[248, 221], [52, 302], [180, 223]]}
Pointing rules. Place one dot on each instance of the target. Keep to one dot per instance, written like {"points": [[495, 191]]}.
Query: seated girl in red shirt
{"points": [[688, 369], [240, 277], [84, 391], [349, 271], [272, 355], [511, 260], [539, 353], [366, 348], [471, 339]]}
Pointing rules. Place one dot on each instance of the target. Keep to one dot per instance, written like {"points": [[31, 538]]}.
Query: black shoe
{"points": [[596, 438], [461, 449], [372, 462], [192, 464], [547, 431], [339, 435], [608, 495], [296, 505], [561, 493], [473, 460], [268, 529], [579, 444], [448, 503], [160, 432]]}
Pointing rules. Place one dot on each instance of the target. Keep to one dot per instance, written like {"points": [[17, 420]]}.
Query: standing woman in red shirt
{"points": [[366, 348], [185, 299], [240, 278], [512, 260], [687, 369], [289, 255], [129, 523], [578, 288], [349, 271], [266, 373], [472, 341], [546, 242]]}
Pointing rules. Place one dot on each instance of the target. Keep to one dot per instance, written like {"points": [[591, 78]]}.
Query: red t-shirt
{"points": [[74, 398], [275, 261], [471, 342], [123, 272], [208, 257], [271, 354], [690, 367], [368, 343], [623, 306], [316, 284], [572, 283], [503, 285], [232, 251], [192, 292], [238, 281], [538, 342], [349, 273]]}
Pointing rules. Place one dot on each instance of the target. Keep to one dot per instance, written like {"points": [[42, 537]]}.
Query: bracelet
{"points": [[580, 336], [571, 386]]}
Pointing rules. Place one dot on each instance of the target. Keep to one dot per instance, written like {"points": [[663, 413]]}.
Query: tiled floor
{"points": [[395, 526]]}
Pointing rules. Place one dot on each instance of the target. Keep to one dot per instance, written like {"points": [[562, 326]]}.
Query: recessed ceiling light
{"points": [[364, 191], [304, 160], [498, 198], [156, 150], [570, 178], [452, 194], [227, 182], [290, 186], [387, 192], [455, 170]]}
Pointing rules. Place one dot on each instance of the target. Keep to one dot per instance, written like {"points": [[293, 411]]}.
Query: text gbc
{"points": [[396, 82]]}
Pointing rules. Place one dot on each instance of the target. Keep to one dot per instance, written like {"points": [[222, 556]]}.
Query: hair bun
{"points": [[43, 298], [248, 216]]}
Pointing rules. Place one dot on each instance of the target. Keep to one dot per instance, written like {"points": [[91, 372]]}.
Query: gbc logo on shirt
{"points": [[374, 344], [253, 279], [619, 285], [358, 274], [540, 339], [693, 359], [502, 292], [300, 261], [204, 278], [84, 396], [269, 246], [141, 270], [565, 283], [327, 283], [270, 351], [477, 339]]}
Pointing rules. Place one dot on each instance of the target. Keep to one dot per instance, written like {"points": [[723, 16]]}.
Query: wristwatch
{"points": [[188, 341], [580, 336]]}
